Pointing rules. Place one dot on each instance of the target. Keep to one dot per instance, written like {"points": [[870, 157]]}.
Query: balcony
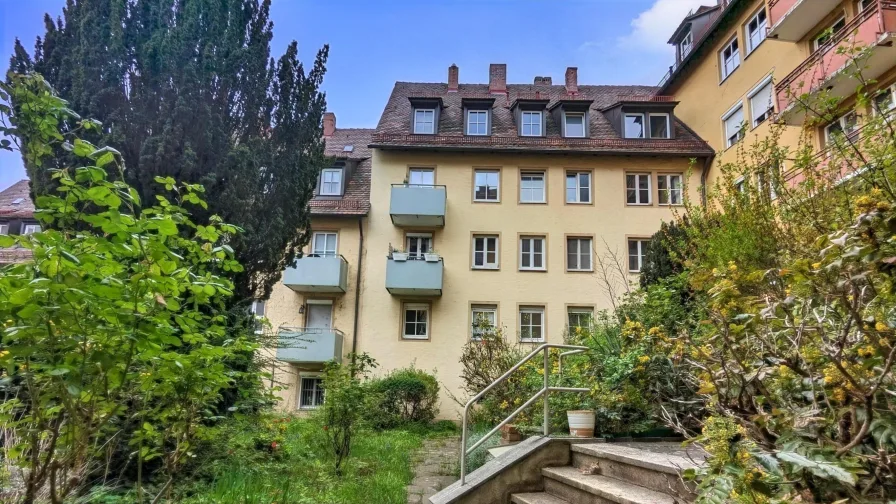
{"points": [[408, 276], [309, 345], [418, 205], [317, 274], [830, 69], [792, 19]]}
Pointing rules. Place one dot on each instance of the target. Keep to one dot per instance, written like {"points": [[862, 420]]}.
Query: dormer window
{"points": [[331, 182], [531, 123], [660, 126], [634, 125], [477, 122], [574, 124], [424, 121], [686, 44]]}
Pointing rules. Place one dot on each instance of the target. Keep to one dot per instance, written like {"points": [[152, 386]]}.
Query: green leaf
{"points": [[821, 468], [59, 371]]}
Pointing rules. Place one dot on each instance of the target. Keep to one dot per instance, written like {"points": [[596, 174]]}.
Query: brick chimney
{"points": [[572, 80], [497, 78], [453, 73], [329, 124], [543, 81]]}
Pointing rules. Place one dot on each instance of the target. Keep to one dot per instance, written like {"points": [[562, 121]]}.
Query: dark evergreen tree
{"points": [[188, 89], [660, 261]]}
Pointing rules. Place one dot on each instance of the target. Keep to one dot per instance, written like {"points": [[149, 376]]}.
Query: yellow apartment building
{"points": [[741, 62]]}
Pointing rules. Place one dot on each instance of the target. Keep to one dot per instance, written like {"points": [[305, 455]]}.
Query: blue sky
{"points": [[375, 43]]}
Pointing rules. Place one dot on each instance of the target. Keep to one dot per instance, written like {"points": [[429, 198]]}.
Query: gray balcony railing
{"points": [[317, 273], [309, 344], [414, 275], [413, 205]]}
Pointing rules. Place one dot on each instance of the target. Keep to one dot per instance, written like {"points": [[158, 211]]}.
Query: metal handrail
{"points": [[545, 392]]}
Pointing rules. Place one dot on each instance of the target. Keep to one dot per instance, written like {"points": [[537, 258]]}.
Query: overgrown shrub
{"points": [[343, 410], [404, 396]]}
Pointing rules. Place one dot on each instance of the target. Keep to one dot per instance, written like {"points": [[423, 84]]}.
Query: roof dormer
{"points": [[650, 117], [573, 117], [529, 115], [425, 114]]}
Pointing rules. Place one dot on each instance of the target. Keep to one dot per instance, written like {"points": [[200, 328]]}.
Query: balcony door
{"points": [[419, 244], [323, 245], [320, 316]]}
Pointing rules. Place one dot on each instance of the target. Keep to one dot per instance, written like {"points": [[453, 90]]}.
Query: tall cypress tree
{"points": [[188, 89]]}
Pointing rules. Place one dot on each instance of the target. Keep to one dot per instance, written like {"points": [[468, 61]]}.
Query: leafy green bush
{"points": [[404, 396], [343, 410]]}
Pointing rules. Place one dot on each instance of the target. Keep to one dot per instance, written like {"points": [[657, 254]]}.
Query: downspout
{"points": [[358, 289]]}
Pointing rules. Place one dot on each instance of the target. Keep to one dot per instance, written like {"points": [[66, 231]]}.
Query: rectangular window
{"points": [[421, 176], [864, 4], [477, 122], [885, 101], [415, 321], [574, 124], [4, 229], [323, 245], [686, 44], [258, 310], [761, 103], [31, 229], [669, 187], [730, 58], [311, 392], [531, 122], [532, 253], [418, 244], [734, 122], [331, 182], [756, 30], [829, 33], [484, 320], [424, 121], [532, 187], [847, 125], [531, 324], [578, 187], [485, 252], [579, 318], [659, 126], [486, 185], [637, 188], [636, 250], [578, 254], [740, 185], [634, 126]]}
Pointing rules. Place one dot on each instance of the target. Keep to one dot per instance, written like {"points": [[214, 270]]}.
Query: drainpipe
{"points": [[358, 288]]}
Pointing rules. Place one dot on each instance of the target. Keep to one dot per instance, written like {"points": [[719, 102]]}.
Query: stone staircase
{"points": [[631, 473]]}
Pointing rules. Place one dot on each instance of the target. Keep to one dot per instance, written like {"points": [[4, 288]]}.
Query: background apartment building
{"points": [[16, 218], [743, 61]]}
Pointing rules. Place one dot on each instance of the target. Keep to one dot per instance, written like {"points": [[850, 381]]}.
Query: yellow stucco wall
{"points": [[608, 220]]}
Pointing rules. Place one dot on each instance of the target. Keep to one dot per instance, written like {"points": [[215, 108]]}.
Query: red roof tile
{"points": [[14, 255], [15, 201], [356, 200]]}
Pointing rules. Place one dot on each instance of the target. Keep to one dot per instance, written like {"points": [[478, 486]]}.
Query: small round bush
{"points": [[404, 396]]}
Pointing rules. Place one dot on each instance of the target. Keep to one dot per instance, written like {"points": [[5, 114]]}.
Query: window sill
{"points": [[670, 204], [578, 202], [528, 340], [639, 205], [534, 270], [580, 271], [485, 268], [533, 202], [634, 272], [407, 338], [308, 408], [727, 76], [486, 201], [751, 51]]}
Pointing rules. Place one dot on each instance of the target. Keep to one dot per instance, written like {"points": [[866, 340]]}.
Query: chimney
{"points": [[497, 78], [329, 124], [572, 80], [453, 72], [543, 81]]}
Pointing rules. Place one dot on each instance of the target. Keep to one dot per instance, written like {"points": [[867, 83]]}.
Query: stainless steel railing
{"points": [[543, 393]]}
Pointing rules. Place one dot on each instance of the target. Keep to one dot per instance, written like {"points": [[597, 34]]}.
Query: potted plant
{"points": [[581, 423], [399, 256], [431, 256]]}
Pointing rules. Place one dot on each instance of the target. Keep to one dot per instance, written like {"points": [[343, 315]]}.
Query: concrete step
{"points": [[570, 484], [536, 498], [653, 469]]}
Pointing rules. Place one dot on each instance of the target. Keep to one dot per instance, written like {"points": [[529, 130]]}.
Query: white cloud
{"points": [[653, 27]]}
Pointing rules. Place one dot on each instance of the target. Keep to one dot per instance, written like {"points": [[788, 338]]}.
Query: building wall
{"points": [[608, 220]]}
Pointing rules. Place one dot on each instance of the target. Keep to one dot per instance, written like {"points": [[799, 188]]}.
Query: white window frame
{"points": [[497, 187], [740, 185], [669, 191], [860, 5], [843, 123], [4, 229], [768, 111], [643, 124], [739, 107], [325, 252], [31, 229], [579, 310], [318, 380], [642, 249], [668, 125], [484, 238], [761, 30], [421, 124], [579, 253], [331, 187], [817, 42], [531, 124], [637, 188], [259, 326], [889, 91], [476, 311], [533, 192], [421, 171], [470, 122], [406, 307], [420, 238], [686, 44], [578, 187], [532, 254], [534, 310], [729, 65], [566, 116]]}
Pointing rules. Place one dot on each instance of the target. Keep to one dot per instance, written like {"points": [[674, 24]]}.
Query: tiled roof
{"points": [[356, 200], [15, 201], [394, 129], [14, 255]]}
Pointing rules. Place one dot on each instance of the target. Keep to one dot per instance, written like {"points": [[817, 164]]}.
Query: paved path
{"points": [[435, 467]]}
